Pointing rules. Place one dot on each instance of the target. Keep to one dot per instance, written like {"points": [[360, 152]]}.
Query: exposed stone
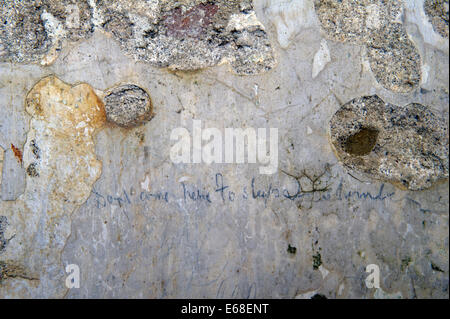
{"points": [[192, 23], [197, 34], [394, 59], [31, 30], [128, 106], [190, 35], [437, 11], [355, 21], [23, 37], [406, 146]]}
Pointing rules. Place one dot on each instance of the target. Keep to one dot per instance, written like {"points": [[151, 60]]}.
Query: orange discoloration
{"points": [[17, 153], [64, 121], [82, 104]]}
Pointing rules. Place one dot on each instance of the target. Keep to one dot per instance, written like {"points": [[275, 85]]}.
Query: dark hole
{"points": [[361, 143], [291, 249]]}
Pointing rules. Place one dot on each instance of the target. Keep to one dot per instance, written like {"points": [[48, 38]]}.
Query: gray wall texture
{"points": [[91, 92]]}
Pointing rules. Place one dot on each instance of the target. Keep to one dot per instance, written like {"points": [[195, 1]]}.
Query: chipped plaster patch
{"points": [[290, 18], [54, 27], [325, 272], [321, 58], [373, 16], [240, 22], [425, 73], [61, 152], [145, 184]]}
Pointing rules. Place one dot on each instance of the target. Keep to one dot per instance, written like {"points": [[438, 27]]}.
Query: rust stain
{"points": [[17, 153]]}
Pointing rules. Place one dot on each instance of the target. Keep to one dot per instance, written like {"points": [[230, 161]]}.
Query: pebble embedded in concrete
{"points": [[128, 106]]}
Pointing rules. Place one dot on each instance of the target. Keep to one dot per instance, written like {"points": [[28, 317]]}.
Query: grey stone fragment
{"points": [[187, 35], [437, 11], [394, 60], [128, 106], [118, 24], [406, 146], [23, 37], [30, 29], [354, 21], [192, 35]]}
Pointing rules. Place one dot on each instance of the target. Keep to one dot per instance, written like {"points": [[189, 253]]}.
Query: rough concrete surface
{"points": [[406, 146], [92, 91]]}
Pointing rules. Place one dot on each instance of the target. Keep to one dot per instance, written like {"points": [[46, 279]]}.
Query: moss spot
{"points": [[292, 250], [405, 263], [317, 261]]}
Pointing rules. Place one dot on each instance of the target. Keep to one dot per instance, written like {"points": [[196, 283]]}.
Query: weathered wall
{"points": [[90, 92]]}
